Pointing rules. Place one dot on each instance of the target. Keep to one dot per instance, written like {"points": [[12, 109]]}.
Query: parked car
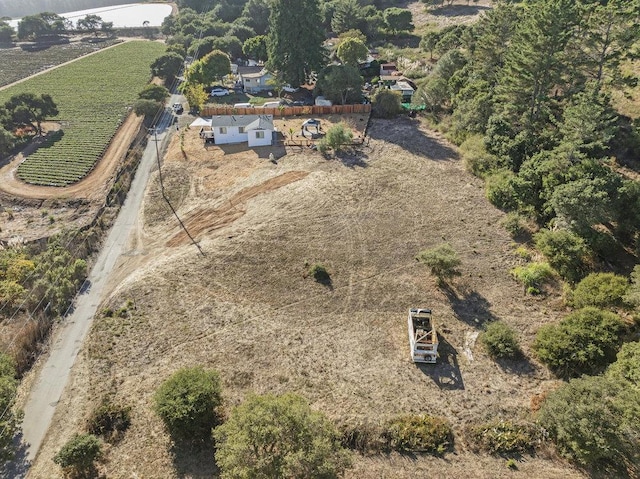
{"points": [[177, 108], [219, 92], [289, 89]]}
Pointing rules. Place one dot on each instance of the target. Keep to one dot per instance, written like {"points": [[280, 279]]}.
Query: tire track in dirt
{"points": [[206, 220]]}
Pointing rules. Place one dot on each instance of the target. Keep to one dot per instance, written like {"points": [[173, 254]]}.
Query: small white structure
{"points": [[256, 130], [256, 82], [423, 338], [322, 101]]}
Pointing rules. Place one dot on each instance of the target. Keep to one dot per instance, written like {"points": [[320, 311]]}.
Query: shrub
{"points": [[515, 224], [582, 343], [503, 437], [500, 191], [632, 296], [187, 402], [319, 273], [602, 290], [442, 259], [532, 276], [593, 422], [364, 437], [109, 420], [386, 103], [626, 369], [566, 252], [78, 456], [337, 138], [477, 160], [419, 433], [500, 341], [278, 436], [8, 420]]}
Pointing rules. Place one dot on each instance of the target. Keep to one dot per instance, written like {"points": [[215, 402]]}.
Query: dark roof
{"points": [[263, 121]]}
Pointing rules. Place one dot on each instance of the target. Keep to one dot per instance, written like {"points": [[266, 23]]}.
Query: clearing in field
{"points": [[248, 308], [93, 96]]}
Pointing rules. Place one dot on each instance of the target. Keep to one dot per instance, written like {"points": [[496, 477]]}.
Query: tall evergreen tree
{"points": [[294, 43], [535, 59]]}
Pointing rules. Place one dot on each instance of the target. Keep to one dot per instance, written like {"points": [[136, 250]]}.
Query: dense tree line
{"points": [[531, 81]]}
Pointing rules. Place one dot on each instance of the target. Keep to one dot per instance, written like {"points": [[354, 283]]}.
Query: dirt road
{"points": [[52, 380]]}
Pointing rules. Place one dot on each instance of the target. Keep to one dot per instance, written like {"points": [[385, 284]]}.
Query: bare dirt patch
{"points": [[443, 16], [31, 212], [248, 309]]}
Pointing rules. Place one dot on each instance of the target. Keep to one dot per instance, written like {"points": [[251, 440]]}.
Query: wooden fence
{"points": [[288, 110]]}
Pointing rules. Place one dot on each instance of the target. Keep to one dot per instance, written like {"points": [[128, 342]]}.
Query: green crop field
{"points": [[93, 97], [16, 64]]}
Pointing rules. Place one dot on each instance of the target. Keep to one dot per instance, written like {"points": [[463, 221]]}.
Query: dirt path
{"points": [[92, 187]]}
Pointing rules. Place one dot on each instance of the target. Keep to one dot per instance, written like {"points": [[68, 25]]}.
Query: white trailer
{"points": [[423, 338]]}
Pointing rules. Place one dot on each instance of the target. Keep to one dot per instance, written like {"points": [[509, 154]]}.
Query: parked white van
{"points": [[243, 105], [271, 104]]}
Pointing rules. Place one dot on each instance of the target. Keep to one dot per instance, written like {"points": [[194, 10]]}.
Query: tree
{"points": [[278, 436], [78, 456], [6, 32], [386, 103], [632, 297], [167, 66], [187, 403], [584, 342], [154, 92], [9, 422], [90, 23], [209, 68], [593, 423], [398, 19], [294, 43], [35, 27], [147, 108], [29, 109], [627, 366], [256, 15], [429, 42], [442, 260], [347, 15], [352, 51], [7, 142], [256, 48], [196, 96], [241, 32], [340, 83]]}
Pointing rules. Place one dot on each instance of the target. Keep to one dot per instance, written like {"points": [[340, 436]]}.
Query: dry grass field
{"points": [[247, 309]]}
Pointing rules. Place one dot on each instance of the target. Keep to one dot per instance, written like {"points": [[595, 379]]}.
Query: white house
{"points": [[256, 82], [256, 130], [405, 90]]}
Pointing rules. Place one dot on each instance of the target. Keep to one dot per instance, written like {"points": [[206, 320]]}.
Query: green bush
{"points": [[78, 456], [9, 420], [364, 437], [442, 260], [626, 369], [187, 403], [500, 191], [386, 103], [500, 341], [319, 273], [477, 160], [632, 296], [566, 252], [503, 437], [338, 137], [594, 422], [602, 290], [278, 436], [532, 276], [419, 433], [584, 342], [109, 420]]}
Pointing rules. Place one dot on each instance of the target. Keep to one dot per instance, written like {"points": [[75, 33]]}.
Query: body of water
{"points": [[122, 16]]}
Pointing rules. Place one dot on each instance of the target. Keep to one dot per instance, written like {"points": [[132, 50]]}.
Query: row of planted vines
{"points": [[93, 96]]}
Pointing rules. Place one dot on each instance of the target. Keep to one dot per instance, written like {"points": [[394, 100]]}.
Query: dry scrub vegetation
{"points": [[248, 310]]}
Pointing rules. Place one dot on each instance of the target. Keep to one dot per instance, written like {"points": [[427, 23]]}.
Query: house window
{"points": [[259, 134], [241, 129], [223, 130]]}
